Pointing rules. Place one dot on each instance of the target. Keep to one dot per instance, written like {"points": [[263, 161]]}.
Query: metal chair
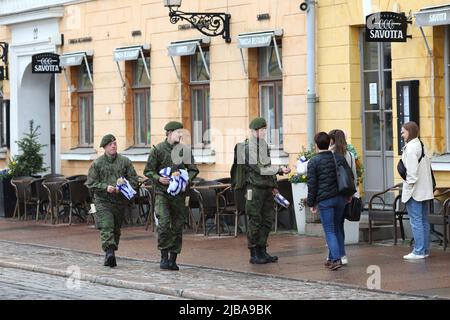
{"points": [[22, 188], [285, 188], [387, 207], [208, 203], [75, 197], [53, 187], [438, 215]]}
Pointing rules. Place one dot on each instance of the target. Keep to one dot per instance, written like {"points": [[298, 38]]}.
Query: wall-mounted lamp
{"points": [[210, 24]]}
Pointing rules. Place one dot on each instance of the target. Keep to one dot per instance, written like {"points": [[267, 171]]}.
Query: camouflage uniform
{"points": [[170, 210], [260, 181], [111, 207]]}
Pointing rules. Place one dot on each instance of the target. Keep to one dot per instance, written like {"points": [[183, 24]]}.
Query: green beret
{"points": [[107, 139], [258, 123], [173, 125]]}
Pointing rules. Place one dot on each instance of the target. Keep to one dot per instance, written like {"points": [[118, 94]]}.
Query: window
{"points": [[271, 94], [199, 86], [85, 107], [141, 103]]}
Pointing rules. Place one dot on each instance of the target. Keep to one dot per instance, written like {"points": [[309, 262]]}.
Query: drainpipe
{"points": [[311, 98]]}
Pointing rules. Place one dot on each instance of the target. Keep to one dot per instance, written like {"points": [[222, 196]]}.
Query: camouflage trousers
{"points": [[171, 213], [108, 219], [259, 208]]}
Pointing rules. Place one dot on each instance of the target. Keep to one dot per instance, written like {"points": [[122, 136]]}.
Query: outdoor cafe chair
{"points": [[387, 207], [21, 186], [53, 187], [285, 188], [75, 198], [438, 215], [209, 203]]}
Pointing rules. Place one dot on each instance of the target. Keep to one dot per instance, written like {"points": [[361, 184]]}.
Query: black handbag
{"points": [[346, 186], [353, 210], [401, 169]]}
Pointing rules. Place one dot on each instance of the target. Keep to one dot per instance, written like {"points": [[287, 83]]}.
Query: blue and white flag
{"points": [[124, 186], [178, 180], [282, 200]]}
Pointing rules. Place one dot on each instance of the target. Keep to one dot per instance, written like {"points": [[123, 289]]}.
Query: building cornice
{"points": [[19, 11]]}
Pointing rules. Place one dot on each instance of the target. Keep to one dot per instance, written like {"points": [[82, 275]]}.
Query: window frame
{"points": [[275, 82], [204, 85], [139, 89]]}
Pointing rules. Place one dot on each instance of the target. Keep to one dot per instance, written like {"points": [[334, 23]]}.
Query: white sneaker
{"points": [[413, 256], [344, 260]]}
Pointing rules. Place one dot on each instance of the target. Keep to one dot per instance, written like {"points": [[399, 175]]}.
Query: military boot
{"points": [[267, 256], [256, 257], [110, 259], [164, 264], [173, 262]]}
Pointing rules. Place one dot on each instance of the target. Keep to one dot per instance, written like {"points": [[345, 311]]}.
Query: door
{"points": [[52, 124], [377, 115]]}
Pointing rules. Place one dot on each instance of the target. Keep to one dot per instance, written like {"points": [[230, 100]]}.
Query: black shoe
{"points": [[256, 257], [164, 264], [333, 266], [110, 259], [173, 262], [267, 256]]}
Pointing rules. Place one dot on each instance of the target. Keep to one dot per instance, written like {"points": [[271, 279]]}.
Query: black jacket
{"points": [[322, 184]]}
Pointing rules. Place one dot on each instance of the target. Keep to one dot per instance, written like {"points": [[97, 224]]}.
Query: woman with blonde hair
{"points": [[417, 189]]}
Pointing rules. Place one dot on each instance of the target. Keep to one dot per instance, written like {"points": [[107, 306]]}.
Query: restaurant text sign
{"points": [[386, 27]]}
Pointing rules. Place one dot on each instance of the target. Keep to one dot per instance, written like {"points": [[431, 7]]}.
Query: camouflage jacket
{"points": [[161, 157], [258, 166], [105, 171]]}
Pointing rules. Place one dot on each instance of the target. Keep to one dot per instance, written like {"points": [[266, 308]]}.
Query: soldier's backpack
{"points": [[237, 172]]}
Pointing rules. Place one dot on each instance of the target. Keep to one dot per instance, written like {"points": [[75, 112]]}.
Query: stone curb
{"points": [[191, 294]]}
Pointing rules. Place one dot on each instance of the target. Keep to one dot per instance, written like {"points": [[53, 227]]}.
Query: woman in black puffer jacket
{"points": [[323, 193]]}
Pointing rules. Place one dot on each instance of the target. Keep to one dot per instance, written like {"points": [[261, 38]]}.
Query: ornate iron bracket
{"points": [[210, 24], [4, 57]]}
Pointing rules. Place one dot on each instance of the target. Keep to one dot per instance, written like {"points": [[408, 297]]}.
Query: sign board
{"points": [[386, 27], [2, 73], [45, 63]]}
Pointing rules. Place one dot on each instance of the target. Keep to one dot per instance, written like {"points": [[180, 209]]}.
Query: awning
{"points": [[187, 48], [76, 59], [258, 40], [433, 16], [129, 54]]}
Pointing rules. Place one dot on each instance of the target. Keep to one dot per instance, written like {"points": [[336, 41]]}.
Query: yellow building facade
{"points": [[128, 71]]}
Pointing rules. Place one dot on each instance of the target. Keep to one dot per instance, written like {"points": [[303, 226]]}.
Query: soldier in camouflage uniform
{"points": [[261, 184], [170, 210], [110, 204]]}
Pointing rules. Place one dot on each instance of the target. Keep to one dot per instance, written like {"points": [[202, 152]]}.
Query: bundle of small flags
{"points": [[302, 165], [124, 186], [178, 180], [282, 200]]}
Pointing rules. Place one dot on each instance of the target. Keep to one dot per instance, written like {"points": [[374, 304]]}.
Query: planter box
{"points": [[309, 223], [7, 199], [303, 214]]}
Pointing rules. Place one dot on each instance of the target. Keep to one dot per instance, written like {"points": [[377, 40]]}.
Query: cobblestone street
{"points": [[191, 282], [19, 284]]}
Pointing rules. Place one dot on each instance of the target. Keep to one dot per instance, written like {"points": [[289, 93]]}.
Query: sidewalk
{"points": [[213, 267]]}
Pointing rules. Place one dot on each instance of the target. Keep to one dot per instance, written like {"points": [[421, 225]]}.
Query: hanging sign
{"points": [[45, 63], [386, 27]]}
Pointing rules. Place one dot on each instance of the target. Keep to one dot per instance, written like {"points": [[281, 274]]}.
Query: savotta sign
{"points": [[386, 27], [45, 63]]}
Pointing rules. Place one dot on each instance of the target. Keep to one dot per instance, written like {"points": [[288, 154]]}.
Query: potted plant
{"points": [[29, 162], [298, 179]]}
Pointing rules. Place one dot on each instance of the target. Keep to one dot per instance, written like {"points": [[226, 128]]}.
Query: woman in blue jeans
{"points": [[323, 193], [417, 190]]}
